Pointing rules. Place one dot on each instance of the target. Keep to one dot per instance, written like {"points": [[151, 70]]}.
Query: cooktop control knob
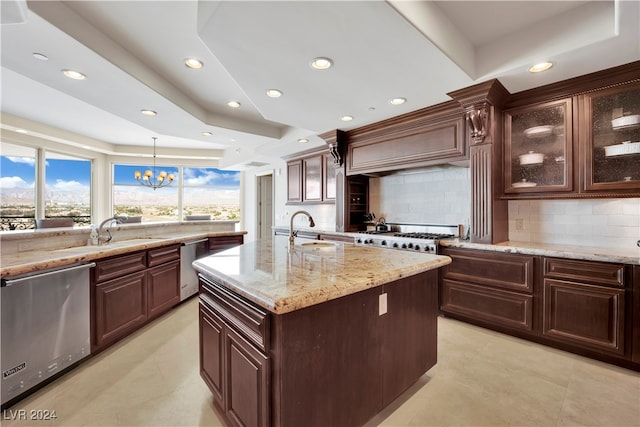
{"points": [[395, 245], [404, 246], [383, 243], [417, 248], [410, 245]]}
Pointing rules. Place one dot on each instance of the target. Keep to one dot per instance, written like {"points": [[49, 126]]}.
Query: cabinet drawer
{"points": [[161, 255], [243, 316], [585, 271], [111, 268], [507, 271], [221, 243], [501, 308]]}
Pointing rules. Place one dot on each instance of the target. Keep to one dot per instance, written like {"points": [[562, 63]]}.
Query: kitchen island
{"points": [[316, 334]]}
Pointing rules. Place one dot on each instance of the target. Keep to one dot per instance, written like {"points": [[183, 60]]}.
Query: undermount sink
{"points": [[318, 244]]}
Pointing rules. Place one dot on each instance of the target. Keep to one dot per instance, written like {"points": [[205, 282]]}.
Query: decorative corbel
{"points": [[478, 119], [336, 141]]}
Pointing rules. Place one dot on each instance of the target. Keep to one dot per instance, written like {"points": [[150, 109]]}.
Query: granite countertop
{"points": [[589, 253], [38, 260], [282, 279]]}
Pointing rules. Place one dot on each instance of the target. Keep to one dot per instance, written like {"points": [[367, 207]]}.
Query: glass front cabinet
{"points": [[538, 148], [610, 131]]}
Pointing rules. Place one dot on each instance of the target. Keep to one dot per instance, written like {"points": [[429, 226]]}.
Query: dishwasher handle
{"points": [[17, 281], [194, 242]]}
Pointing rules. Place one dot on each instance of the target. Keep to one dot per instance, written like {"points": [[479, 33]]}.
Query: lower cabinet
{"points": [[235, 369], [163, 285], [586, 307], [493, 288], [130, 290], [120, 307], [584, 304], [336, 363]]}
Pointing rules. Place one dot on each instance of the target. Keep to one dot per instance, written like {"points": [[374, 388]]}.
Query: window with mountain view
{"points": [[205, 191], [17, 186], [67, 188]]}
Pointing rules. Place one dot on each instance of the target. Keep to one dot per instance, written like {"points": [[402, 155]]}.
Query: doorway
{"points": [[265, 205]]}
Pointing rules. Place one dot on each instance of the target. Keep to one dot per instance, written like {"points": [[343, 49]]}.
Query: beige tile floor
{"points": [[482, 379]]}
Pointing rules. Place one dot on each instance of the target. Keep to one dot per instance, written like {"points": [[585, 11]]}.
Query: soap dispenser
{"points": [[93, 236]]}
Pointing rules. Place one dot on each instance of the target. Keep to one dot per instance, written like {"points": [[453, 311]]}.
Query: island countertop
{"points": [[282, 279]]}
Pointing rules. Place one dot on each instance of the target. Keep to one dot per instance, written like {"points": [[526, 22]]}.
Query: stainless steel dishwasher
{"points": [[189, 252], [45, 327]]}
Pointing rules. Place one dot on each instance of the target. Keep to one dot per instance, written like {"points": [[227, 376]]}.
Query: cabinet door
{"points": [[211, 353], [163, 286], [312, 179], [294, 181], [584, 315], [610, 123], [120, 307], [538, 148], [247, 382], [329, 178]]}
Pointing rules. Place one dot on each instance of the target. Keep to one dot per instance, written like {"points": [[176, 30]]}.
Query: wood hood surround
{"points": [[469, 127]]}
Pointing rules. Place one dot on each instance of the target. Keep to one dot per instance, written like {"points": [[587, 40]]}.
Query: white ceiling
{"points": [[133, 51]]}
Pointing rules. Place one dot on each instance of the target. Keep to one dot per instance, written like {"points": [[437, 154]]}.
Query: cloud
{"points": [[62, 185], [210, 177], [31, 161], [14, 182]]}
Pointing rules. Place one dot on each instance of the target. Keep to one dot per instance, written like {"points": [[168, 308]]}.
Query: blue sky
{"points": [[20, 172]]}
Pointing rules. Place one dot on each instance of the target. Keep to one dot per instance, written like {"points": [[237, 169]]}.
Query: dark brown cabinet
{"points": [[539, 148], [584, 304], [120, 308], [220, 243], [311, 177], [491, 288], [294, 181], [611, 131], [233, 359], [130, 290], [586, 307]]}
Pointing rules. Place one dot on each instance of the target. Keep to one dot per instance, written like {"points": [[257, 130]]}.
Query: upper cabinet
{"points": [[611, 132], [583, 142], [538, 148], [311, 178]]}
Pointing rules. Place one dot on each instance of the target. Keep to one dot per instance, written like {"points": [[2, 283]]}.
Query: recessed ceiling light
{"points": [[193, 63], [233, 104], [274, 93], [206, 133], [21, 130], [149, 112], [321, 63], [73, 74], [397, 101], [40, 56], [346, 118], [542, 66], [303, 140]]}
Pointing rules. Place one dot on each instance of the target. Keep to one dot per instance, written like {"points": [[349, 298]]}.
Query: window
{"points": [[132, 199], [205, 192], [17, 187], [67, 188], [210, 191]]}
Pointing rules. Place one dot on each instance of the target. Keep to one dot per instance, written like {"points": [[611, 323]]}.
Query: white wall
{"points": [[612, 223], [437, 195]]}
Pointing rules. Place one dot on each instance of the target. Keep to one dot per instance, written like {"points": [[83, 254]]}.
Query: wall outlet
{"points": [[519, 224], [382, 304]]}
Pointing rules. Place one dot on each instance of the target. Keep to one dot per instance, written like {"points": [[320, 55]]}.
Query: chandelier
{"points": [[161, 180]]}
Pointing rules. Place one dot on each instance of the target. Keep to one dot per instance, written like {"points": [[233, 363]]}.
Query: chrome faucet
{"points": [[103, 240], [293, 234]]}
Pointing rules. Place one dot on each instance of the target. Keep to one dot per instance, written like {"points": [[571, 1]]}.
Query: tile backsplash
{"points": [[437, 195], [611, 223]]}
